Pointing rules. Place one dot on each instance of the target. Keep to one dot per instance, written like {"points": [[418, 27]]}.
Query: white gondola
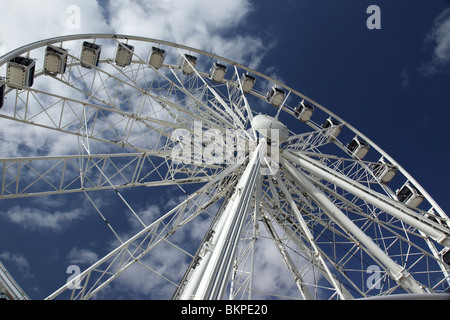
{"points": [[409, 195], [384, 171], [247, 81], [333, 128], [90, 54], [188, 64], [124, 54], [358, 148], [217, 72], [275, 96], [304, 111], [20, 71], [157, 57], [55, 60]]}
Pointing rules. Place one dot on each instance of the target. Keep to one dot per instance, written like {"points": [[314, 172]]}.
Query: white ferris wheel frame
{"points": [[216, 264]]}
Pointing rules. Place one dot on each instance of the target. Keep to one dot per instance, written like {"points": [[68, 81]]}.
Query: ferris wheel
{"points": [[260, 167]]}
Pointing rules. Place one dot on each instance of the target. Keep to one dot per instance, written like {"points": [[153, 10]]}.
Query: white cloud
{"points": [[34, 218], [19, 261], [439, 39], [147, 216], [27, 21], [23, 140], [82, 256], [140, 281], [196, 23], [144, 280], [271, 274]]}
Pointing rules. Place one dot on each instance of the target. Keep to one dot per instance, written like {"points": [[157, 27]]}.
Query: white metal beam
{"points": [[306, 252], [302, 287], [397, 272], [9, 287], [136, 247], [436, 232], [211, 275], [309, 237]]}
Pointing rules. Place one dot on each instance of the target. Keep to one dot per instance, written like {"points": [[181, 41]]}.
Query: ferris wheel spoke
{"points": [[237, 99], [309, 237], [363, 172], [189, 92], [201, 106], [325, 242], [394, 235], [309, 261], [141, 78], [150, 118], [397, 272], [229, 113], [38, 176], [210, 277], [134, 250], [371, 216], [300, 282], [147, 98], [104, 124], [310, 141], [434, 230]]}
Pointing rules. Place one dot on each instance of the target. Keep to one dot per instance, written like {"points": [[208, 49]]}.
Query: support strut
{"points": [[397, 272], [211, 275]]}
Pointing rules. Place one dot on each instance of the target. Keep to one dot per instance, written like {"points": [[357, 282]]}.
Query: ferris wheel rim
{"points": [[42, 43]]}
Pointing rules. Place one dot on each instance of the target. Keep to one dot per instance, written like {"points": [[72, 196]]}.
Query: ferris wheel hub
{"points": [[270, 128]]}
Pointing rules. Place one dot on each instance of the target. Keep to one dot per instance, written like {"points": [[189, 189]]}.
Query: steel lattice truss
{"points": [[327, 212]]}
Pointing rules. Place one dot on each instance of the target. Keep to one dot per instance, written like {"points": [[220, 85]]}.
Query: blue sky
{"points": [[374, 79], [392, 84]]}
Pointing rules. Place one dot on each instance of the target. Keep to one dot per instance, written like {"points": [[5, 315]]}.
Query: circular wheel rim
{"points": [[317, 237]]}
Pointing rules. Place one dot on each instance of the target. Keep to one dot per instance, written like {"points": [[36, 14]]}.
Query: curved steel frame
{"points": [[239, 203]]}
